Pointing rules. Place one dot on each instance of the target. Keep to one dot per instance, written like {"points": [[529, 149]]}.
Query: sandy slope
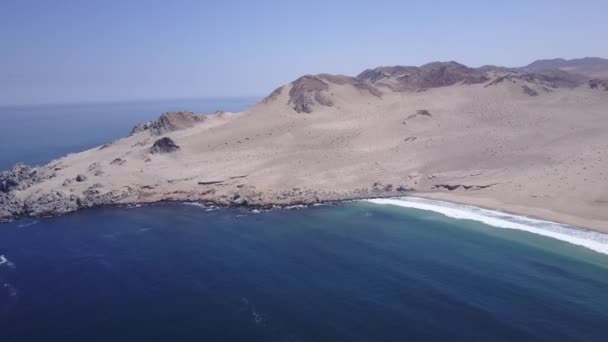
{"points": [[493, 146]]}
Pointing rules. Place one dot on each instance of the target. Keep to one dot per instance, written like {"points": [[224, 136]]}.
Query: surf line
{"points": [[595, 241]]}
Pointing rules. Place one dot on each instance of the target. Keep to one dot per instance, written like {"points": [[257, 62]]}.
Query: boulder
{"points": [[164, 145]]}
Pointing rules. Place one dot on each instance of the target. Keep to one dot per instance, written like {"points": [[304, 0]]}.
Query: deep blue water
{"points": [[355, 272], [351, 272]]}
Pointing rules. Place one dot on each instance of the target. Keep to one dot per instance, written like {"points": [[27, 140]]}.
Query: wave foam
{"points": [[27, 224], [592, 240], [5, 261]]}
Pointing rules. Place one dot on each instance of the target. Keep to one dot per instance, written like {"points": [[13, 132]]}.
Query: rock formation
{"points": [[169, 122], [432, 75], [164, 145], [309, 91], [598, 84]]}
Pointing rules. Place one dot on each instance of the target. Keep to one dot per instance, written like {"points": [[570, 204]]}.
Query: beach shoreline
{"points": [[486, 203], [544, 214], [590, 239]]}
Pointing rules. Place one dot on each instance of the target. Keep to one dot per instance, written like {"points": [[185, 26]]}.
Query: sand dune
{"points": [[534, 144]]}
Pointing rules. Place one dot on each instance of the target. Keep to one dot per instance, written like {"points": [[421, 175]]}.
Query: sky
{"points": [[95, 51]]}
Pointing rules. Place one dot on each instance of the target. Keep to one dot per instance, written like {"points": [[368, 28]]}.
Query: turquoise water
{"points": [[351, 272]]}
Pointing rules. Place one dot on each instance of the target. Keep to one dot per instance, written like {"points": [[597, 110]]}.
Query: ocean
{"points": [[359, 271]]}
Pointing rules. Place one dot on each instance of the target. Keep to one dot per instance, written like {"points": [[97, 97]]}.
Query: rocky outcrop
{"points": [[352, 81], [529, 91], [432, 75], [169, 122], [58, 202], [10, 206], [597, 83], [164, 145], [20, 177], [547, 79], [308, 91], [380, 73]]}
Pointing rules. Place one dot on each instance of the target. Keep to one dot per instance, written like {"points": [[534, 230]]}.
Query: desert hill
{"points": [[592, 67]]}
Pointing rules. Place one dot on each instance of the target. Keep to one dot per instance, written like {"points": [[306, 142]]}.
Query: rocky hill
{"points": [[314, 91], [592, 67]]}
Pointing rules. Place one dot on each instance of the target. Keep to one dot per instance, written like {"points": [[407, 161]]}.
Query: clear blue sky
{"points": [[72, 51]]}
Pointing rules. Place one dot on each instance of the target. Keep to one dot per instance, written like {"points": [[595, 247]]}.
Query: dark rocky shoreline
{"points": [[57, 203], [205, 204]]}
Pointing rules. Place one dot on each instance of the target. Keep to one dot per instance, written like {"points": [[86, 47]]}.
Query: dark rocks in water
{"points": [[529, 91], [81, 178], [169, 122], [238, 200], [51, 203], [164, 145]]}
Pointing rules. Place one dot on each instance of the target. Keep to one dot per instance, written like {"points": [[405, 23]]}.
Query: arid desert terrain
{"points": [[532, 141]]}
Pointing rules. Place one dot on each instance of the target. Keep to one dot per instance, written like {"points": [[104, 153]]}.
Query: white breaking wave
{"points": [[12, 291], [27, 224], [593, 240], [194, 204], [5, 261]]}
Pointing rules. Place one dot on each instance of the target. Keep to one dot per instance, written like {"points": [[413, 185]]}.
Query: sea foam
{"points": [[5, 261], [593, 240]]}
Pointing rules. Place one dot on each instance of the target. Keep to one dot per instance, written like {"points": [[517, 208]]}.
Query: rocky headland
{"points": [[529, 140]]}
